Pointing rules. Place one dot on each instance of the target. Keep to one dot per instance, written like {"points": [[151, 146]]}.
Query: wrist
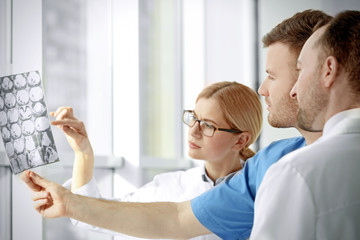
{"points": [[86, 155], [71, 204]]}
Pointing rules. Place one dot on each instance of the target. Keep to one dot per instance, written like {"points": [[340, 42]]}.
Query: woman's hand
{"points": [[49, 198], [77, 137], [74, 130]]}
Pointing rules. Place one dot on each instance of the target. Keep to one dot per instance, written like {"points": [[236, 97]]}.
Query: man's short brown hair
{"points": [[296, 30], [341, 39]]}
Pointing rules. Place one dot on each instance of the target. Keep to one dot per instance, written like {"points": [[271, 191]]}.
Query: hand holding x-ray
{"points": [[74, 130], [49, 198]]}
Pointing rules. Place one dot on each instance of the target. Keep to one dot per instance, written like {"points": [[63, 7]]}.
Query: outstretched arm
{"points": [[150, 220], [77, 137]]}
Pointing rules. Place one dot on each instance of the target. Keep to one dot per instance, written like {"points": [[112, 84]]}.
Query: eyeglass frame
{"points": [[202, 121]]}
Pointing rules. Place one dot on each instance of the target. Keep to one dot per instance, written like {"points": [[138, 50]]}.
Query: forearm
{"points": [[150, 220], [82, 170]]}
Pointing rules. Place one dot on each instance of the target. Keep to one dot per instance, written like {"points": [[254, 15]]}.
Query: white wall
{"points": [[229, 37]]}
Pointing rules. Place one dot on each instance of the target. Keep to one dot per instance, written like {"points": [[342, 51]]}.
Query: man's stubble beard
{"points": [[285, 115]]}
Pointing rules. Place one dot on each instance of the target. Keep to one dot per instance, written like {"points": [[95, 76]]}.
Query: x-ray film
{"points": [[24, 122]]}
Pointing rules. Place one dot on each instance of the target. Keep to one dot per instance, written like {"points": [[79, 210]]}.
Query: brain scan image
{"points": [[45, 141], [10, 100], [28, 127], [36, 94], [2, 103], [30, 143], [15, 131], [39, 109], [6, 135], [24, 123], [42, 124], [15, 165], [9, 149], [21, 158], [19, 145], [50, 154], [13, 115], [33, 79], [20, 82], [25, 112], [22, 97], [3, 119], [35, 158], [7, 84]]}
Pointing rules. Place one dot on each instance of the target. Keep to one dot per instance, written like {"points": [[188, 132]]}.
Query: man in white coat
{"points": [[314, 192]]}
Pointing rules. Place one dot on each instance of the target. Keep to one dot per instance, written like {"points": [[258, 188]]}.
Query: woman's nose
{"points": [[195, 130]]}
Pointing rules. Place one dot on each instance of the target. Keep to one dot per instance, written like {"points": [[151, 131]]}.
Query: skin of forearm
{"points": [[82, 170], [147, 220]]}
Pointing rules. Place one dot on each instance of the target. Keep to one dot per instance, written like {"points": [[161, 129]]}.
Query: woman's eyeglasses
{"points": [[206, 128]]}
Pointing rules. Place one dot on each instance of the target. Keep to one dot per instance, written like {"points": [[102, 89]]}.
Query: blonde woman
{"points": [[225, 121]]}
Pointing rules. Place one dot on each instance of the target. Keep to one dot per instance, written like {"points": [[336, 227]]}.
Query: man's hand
{"points": [[49, 198]]}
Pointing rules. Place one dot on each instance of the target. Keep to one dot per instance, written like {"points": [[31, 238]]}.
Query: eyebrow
{"points": [[205, 119], [268, 71]]}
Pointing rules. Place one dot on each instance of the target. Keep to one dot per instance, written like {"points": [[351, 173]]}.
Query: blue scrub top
{"points": [[228, 209]]}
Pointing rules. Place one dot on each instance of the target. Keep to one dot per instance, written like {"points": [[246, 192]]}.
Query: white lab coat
{"points": [[314, 192]]}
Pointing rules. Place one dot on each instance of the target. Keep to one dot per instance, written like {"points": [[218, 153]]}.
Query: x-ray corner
{"points": [[24, 122]]}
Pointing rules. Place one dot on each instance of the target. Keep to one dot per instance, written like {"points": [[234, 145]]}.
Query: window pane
{"points": [[158, 77], [76, 61], [64, 58], [5, 202]]}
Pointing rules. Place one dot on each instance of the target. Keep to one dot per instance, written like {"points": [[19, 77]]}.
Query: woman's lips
{"points": [[193, 145]]}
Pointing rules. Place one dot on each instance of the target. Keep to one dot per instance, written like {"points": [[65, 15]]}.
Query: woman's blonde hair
{"points": [[241, 108]]}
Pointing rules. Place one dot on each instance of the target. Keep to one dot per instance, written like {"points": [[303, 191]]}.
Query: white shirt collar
{"points": [[332, 126]]}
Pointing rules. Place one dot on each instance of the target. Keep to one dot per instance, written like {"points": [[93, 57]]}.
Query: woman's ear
{"points": [[242, 140]]}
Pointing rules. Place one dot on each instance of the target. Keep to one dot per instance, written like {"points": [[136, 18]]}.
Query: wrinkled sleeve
{"points": [[89, 190]]}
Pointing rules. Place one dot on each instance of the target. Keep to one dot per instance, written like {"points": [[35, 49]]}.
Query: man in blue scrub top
{"points": [[228, 209]]}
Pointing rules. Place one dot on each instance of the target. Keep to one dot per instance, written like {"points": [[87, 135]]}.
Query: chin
{"points": [[194, 155]]}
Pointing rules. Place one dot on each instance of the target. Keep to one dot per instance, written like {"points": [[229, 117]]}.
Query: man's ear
{"points": [[242, 140], [330, 71]]}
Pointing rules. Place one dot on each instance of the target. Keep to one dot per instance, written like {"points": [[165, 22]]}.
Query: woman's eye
{"points": [[208, 125]]}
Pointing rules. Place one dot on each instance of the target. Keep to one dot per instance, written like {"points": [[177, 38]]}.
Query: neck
{"points": [[310, 137], [220, 169], [339, 104], [341, 97]]}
